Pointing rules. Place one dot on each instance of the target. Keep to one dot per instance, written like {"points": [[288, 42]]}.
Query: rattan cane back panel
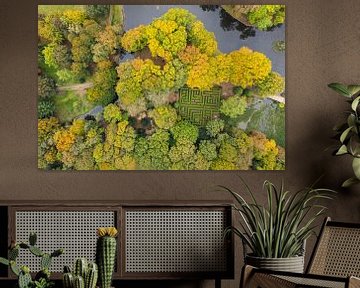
{"points": [[338, 252], [174, 241], [75, 231], [313, 282]]}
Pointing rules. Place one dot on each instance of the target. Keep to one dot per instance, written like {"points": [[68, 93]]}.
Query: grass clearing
{"points": [[69, 104], [49, 9]]}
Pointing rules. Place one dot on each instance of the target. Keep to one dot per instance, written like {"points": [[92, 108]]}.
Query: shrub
{"points": [[234, 106], [46, 108], [164, 116]]}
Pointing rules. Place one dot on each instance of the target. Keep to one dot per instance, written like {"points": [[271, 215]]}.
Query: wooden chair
{"points": [[335, 262]]}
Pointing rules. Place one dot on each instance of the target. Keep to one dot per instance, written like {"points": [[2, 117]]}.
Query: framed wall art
{"points": [[161, 87]]}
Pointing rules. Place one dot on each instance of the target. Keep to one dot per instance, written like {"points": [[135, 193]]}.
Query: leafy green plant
{"points": [[279, 229], [349, 132], [42, 278]]}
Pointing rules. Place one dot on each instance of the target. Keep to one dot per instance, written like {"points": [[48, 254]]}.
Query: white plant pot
{"points": [[291, 264]]}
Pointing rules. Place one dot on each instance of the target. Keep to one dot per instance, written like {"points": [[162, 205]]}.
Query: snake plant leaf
{"points": [[353, 89], [355, 103], [349, 182], [341, 89], [356, 167]]}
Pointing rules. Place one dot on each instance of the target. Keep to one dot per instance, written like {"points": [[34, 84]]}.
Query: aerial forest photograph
{"points": [[161, 87]]}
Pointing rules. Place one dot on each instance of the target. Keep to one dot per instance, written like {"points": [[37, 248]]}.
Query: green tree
{"points": [[164, 117], [97, 12], [214, 127], [112, 113], [152, 152], [185, 131], [46, 86], [234, 106], [106, 44], [57, 56], [104, 80], [134, 39], [267, 16], [273, 84], [46, 108]]}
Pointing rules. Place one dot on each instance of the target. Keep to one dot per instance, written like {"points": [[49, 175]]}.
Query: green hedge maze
{"points": [[199, 106]]}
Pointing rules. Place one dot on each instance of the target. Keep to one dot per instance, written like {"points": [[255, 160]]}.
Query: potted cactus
{"points": [[106, 254], [42, 278], [84, 275]]}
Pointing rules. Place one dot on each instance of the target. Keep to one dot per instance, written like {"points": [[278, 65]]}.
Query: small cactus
{"points": [[24, 279], [36, 251], [68, 280], [84, 274], [106, 254], [79, 282], [23, 273], [80, 267], [91, 276], [45, 261]]}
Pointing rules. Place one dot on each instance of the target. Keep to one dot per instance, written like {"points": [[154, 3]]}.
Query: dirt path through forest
{"points": [[77, 88]]}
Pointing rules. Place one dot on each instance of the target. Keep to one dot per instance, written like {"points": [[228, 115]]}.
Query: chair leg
{"points": [[246, 274]]}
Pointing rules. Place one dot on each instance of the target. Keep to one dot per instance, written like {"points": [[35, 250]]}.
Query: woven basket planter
{"points": [[291, 264]]}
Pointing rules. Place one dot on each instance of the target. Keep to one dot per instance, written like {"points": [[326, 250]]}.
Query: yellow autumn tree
{"points": [[248, 67]]}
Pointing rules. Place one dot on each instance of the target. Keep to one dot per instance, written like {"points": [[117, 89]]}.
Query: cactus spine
{"points": [[84, 275], [105, 255]]}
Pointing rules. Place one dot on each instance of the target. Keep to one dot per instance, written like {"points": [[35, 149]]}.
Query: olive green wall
{"points": [[323, 46]]}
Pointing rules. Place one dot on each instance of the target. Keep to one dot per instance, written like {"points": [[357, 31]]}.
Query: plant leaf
{"points": [[349, 182], [353, 89], [356, 167], [345, 134], [355, 103], [340, 88], [342, 150]]}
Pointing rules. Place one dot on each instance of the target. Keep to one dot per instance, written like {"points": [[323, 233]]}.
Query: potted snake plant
{"points": [[349, 132], [274, 234]]}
